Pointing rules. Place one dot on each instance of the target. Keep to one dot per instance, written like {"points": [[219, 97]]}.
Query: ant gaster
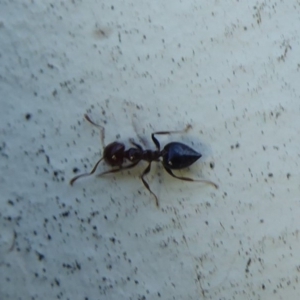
{"points": [[175, 156]]}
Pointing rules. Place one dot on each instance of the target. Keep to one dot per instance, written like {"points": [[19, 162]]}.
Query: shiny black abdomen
{"points": [[178, 156]]}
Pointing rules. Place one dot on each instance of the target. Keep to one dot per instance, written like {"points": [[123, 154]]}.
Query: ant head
{"points": [[113, 154]]}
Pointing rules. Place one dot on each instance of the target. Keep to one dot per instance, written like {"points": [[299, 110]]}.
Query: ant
{"points": [[175, 156]]}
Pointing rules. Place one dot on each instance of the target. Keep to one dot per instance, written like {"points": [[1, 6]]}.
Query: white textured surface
{"points": [[231, 69]]}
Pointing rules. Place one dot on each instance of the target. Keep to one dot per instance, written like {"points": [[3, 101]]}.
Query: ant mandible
{"points": [[175, 156]]}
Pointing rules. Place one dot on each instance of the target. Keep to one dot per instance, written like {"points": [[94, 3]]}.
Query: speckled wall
{"points": [[230, 69]]}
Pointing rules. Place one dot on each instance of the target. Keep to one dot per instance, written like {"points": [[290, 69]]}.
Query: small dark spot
{"points": [[78, 265], [112, 7], [10, 202], [261, 220], [270, 174], [55, 173], [67, 266], [57, 282], [136, 282], [50, 66], [288, 175], [237, 145], [39, 255], [112, 239], [54, 93], [248, 265], [94, 213], [212, 165], [28, 116], [263, 287], [65, 214], [102, 33], [75, 170], [206, 222], [245, 28]]}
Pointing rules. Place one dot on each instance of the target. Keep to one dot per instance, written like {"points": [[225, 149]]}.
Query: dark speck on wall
{"points": [[28, 116], [75, 170]]}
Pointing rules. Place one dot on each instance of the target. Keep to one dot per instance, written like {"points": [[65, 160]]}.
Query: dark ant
{"points": [[175, 156]]}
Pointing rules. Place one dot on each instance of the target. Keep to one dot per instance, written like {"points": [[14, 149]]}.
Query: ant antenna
{"points": [[86, 174], [102, 130]]}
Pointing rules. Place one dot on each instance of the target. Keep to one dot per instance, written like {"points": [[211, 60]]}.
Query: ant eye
{"points": [[170, 163], [131, 157], [113, 157]]}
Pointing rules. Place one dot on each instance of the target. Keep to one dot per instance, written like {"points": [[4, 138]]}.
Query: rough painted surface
{"points": [[230, 69]]}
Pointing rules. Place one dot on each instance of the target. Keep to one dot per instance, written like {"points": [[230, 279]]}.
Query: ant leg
{"points": [[102, 131], [119, 169], [190, 179], [86, 174], [147, 170], [156, 142]]}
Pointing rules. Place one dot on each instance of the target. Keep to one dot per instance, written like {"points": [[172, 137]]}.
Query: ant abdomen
{"points": [[178, 156]]}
